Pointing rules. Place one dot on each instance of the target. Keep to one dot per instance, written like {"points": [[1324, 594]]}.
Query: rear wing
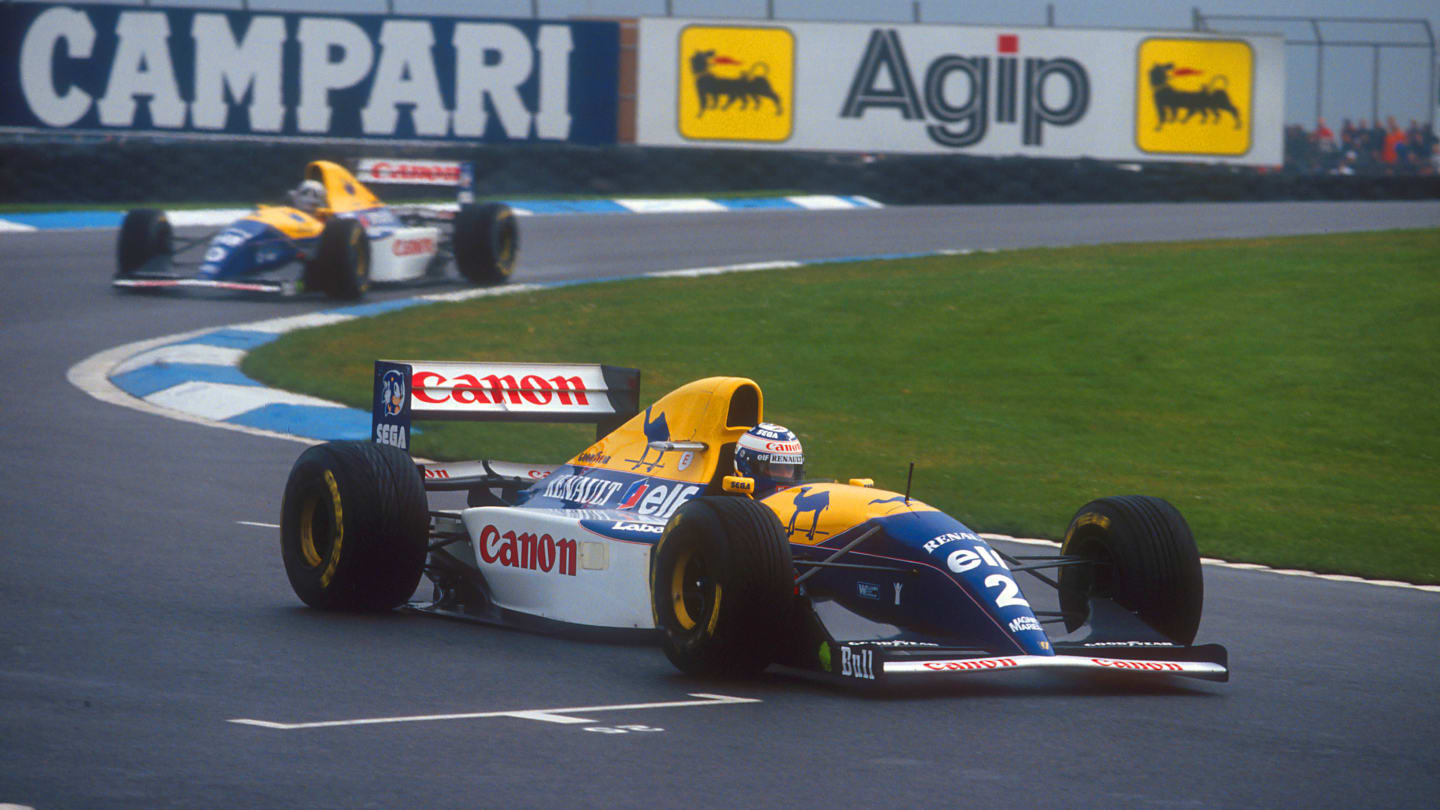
{"points": [[402, 171], [606, 396]]}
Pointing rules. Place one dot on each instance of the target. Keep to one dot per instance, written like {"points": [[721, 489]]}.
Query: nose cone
{"points": [[246, 247], [993, 606]]}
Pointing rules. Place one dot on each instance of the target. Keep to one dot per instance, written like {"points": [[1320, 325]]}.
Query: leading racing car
{"points": [[653, 529], [336, 230]]}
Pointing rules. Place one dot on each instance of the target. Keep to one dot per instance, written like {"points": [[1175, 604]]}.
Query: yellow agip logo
{"points": [[1194, 96], [736, 83]]}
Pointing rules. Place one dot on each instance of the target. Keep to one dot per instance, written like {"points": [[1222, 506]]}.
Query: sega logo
{"points": [[412, 247]]}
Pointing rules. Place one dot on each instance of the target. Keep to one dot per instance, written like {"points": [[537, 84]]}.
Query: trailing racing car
{"points": [[651, 529], [336, 230]]}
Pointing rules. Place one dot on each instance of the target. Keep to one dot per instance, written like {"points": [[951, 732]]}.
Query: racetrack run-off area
{"points": [[146, 609]]}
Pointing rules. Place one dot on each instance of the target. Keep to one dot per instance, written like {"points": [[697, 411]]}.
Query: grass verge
{"points": [[1280, 392]]}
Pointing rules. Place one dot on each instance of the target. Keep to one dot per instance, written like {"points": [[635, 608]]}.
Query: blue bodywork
{"points": [[249, 247]]}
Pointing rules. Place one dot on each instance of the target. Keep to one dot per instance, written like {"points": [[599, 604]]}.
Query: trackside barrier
{"points": [[120, 172]]}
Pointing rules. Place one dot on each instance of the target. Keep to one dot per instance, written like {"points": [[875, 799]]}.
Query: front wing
{"points": [[168, 281], [879, 664], [831, 642]]}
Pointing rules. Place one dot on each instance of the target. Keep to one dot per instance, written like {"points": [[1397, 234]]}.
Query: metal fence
{"points": [[1325, 35]]}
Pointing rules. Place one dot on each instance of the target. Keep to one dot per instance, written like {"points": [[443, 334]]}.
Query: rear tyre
{"points": [[486, 243], [354, 526], [144, 234], [1146, 562], [722, 584], [342, 263]]}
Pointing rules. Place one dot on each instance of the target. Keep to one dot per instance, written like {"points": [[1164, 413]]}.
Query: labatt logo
{"points": [[736, 83], [884, 80]]}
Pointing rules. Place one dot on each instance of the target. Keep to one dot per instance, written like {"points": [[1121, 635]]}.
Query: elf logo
{"points": [[656, 500], [1041, 91]]}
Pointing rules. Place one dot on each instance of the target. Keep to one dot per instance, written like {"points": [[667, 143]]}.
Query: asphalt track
{"points": [[141, 611]]}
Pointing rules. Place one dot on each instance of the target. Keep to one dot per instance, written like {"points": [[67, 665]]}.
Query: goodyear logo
{"points": [[736, 83], [1194, 96]]}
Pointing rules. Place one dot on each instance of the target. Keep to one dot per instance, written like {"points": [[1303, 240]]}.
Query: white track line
{"points": [[561, 716]]}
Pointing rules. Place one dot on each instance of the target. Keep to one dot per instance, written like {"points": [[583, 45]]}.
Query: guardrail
{"points": [[129, 171]]}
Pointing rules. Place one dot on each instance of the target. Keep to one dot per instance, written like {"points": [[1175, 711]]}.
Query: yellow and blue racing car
{"points": [[692, 521], [336, 231]]}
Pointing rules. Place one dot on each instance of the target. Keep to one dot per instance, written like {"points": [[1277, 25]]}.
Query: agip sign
{"points": [[103, 68], [1040, 92]]}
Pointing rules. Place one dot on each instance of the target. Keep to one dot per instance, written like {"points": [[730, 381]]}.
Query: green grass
{"points": [[1280, 392]]}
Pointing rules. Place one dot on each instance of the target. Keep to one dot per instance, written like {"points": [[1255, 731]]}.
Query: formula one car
{"points": [[343, 241], [649, 529]]}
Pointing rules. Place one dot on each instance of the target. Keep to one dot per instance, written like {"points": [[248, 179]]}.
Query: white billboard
{"points": [[1037, 92]]}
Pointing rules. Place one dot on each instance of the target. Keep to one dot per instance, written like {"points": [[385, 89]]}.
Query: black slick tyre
{"points": [[354, 526], [144, 234], [722, 585], [1146, 561], [486, 243], [341, 268]]}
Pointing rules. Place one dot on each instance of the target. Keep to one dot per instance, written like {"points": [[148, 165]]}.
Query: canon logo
{"points": [[433, 173], [979, 663], [410, 247], [1148, 666], [497, 389], [527, 550]]}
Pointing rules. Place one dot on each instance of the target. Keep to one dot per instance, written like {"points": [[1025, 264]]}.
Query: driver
{"points": [[309, 196], [771, 455]]}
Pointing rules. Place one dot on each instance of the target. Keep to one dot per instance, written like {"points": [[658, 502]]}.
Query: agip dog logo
{"points": [[736, 83], [1194, 96]]}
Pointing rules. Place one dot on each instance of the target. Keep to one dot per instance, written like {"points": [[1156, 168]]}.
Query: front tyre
{"points": [[1145, 560], [354, 526], [486, 243], [722, 584], [144, 234], [341, 267]]}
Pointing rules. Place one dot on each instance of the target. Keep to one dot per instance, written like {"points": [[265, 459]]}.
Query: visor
{"points": [[789, 469]]}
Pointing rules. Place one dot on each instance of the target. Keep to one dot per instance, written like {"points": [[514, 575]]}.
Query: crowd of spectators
{"points": [[1362, 148]]}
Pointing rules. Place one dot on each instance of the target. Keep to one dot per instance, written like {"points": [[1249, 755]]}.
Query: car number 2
{"points": [[1009, 591]]}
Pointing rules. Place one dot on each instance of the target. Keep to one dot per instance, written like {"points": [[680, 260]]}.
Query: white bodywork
{"points": [[404, 254], [545, 563]]}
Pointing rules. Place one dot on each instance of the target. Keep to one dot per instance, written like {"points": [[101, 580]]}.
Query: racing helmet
{"points": [[771, 455], [309, 196]]}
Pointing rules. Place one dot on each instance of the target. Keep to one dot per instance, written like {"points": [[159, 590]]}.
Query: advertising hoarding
{"points": [[111, 69], [980, 90]]}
